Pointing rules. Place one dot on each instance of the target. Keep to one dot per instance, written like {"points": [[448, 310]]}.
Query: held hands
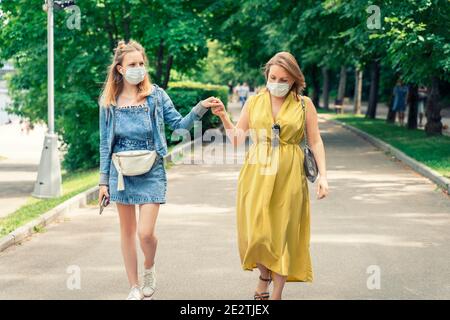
{"points": [[210, 102], [216, 106]]}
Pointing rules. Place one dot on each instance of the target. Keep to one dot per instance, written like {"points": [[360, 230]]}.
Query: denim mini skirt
{"points": [[132, 130]]}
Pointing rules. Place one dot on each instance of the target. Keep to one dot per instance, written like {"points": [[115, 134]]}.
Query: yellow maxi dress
{"points": [[272, 209]]}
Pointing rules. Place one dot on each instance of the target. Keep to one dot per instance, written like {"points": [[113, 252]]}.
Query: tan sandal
{"points": [[263, 295]]}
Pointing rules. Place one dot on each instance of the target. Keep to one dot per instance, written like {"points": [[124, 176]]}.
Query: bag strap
{"points": [[120, 179], [149, 113], [114, 122], [113, 126], [305, 138]]}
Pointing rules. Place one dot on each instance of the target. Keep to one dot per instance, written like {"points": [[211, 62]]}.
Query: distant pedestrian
{"points": [[230, 90], [25, 126], [400, 94], [243, 91], [230, 87], [421, 105]]}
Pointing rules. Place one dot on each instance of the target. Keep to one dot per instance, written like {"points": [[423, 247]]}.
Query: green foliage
{"points": [[217, 67], [335, 32], [173, 32], [418, 31]]}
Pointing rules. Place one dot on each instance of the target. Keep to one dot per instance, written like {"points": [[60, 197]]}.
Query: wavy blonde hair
{"points": [[114, 80], [287, 61]]}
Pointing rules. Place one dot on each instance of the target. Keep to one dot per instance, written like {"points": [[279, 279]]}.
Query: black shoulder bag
{"points": [[309, 162]]}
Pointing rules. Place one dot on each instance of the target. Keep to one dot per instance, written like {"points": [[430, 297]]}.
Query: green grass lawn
{"points": [[431, 151], [72, 184]]}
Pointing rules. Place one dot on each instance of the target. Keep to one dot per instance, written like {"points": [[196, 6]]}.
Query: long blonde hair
{"points": [[114, 80], [287, 61]]}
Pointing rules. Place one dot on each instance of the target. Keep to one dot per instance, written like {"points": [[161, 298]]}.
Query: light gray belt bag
{"points": [[133, 162]]}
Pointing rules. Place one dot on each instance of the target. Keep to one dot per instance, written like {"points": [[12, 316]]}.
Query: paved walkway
{"points": [[379, 212], [20, 154]]}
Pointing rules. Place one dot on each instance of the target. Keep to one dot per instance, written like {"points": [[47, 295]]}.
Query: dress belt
{"points": [[269, 142]]}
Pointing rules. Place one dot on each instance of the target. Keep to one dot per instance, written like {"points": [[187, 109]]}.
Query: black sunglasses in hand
{"points": [[275, 134]]}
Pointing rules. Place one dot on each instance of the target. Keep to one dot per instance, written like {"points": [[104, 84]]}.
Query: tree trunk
{"points": [[159, 62], [413, 99], [110, 29], [167, 75], [326, 88], [316, 85], [112, 43], [114, 24], [126, 21], [374, 84], [433, 110], [358, 91], [391, 114], [341, 88]]}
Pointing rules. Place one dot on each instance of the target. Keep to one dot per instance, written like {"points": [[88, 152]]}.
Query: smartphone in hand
{"points": [[104, 203]]}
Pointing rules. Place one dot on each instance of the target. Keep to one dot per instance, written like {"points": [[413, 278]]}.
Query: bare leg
{"points": [[265, 274], [127, 216], [146, 231], [278, 286]]}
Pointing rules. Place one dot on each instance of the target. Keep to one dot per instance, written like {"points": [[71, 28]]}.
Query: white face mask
{"points": [[278, 89], [135, 75]]}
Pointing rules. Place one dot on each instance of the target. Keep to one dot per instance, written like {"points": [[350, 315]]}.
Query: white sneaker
{"points": [[135, 294], [149, 287]]}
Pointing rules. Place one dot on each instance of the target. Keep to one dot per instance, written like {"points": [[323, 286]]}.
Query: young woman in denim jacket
{"points": [[132, 116]]}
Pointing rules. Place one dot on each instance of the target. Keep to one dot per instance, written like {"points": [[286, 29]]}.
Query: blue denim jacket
{"points": [[164, 112]]}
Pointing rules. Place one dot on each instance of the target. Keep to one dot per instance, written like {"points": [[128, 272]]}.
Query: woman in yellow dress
{"points": [[272, 208]]}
